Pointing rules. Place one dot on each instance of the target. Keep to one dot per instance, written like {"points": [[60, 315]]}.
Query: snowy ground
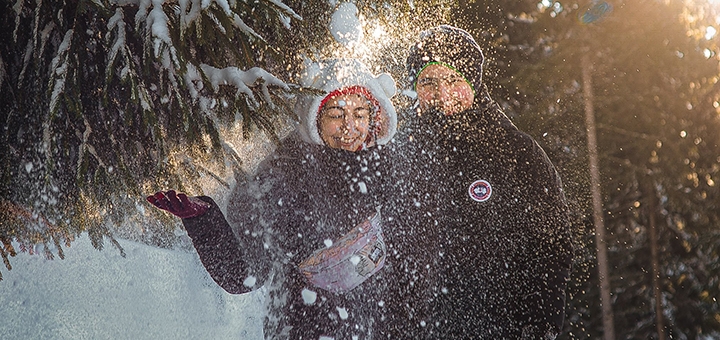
{"points": [[152, 293]]}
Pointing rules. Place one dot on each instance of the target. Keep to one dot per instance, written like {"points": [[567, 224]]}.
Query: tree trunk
{"points": [[602, 257], [651, 210]]}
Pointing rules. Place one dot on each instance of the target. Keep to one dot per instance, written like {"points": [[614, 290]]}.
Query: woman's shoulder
{"points": [[289, 153]]}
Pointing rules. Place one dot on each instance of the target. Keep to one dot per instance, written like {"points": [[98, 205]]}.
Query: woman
{"points": [[307, 224]]}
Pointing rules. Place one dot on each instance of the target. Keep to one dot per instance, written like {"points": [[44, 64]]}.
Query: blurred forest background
{"points": [[105, 101]]}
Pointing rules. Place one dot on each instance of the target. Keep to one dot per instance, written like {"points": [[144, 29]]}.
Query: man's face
{"points": [[344, 122], [442, 88]]}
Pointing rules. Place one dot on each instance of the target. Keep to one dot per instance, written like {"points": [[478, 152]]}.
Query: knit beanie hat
{"points": [[346, 76], [449, 46]]}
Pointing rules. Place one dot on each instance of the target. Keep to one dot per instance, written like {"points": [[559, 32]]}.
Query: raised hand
{"points": [[178, 204]]}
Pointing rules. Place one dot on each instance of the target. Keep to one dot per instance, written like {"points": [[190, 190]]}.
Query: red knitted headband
{"points": [[355, 89]]}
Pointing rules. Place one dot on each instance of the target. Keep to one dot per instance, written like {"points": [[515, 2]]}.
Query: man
{"points": [[485, 205]]}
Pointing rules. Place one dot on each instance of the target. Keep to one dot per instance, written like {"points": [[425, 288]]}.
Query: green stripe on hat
{"points": [[446, 65]]}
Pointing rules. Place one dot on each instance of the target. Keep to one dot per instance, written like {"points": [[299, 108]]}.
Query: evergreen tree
{"points": [[106, 101], [99, 96]]}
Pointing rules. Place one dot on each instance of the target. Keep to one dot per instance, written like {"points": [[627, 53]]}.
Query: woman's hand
{"points": [[178, 204]]}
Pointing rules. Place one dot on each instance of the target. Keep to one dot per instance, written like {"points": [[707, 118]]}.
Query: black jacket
{"points": [[301, 196], [495, 267]]}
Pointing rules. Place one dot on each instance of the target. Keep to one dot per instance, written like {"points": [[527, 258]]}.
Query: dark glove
{"points": [[179, 204]]}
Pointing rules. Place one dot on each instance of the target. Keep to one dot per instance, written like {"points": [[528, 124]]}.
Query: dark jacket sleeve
{"points": [[548, 253], [225, 259]]}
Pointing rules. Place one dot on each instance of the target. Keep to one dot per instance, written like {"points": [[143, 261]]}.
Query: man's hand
{"points": [[178, 204]]}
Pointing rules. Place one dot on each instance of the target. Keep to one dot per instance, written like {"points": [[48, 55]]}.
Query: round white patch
{"points": [[480, 190]]}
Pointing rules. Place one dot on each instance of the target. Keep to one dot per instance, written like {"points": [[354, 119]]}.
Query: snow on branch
{"points": [[193, 81], [240, 24], [187, 17], [267, 79], [116, 21], [154, 17], [58, 69], [286, 10], [222, 3], [119, 46], [157, 22], [85, 146], [17, 8], [243, 80]]}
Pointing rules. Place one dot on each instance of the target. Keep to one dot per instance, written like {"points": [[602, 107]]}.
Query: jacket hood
{"points": [[333, 77]]}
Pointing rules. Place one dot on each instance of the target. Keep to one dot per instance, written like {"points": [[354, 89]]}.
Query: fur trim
{"points": [[336, 74]]}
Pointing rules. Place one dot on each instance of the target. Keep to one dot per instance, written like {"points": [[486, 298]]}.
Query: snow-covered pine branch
{"points": [[243, 80], [154, 18], [285, 13], [58, 70]]}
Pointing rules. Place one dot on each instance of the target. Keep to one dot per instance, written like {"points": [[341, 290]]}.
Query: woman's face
{"points": [[344, 122], [444, 89]]}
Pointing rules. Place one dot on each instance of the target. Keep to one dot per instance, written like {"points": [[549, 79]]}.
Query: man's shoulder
{"points": [[525, 141]]}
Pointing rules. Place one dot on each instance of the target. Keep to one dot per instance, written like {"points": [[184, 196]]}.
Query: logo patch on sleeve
{"points": [[480, 190]]}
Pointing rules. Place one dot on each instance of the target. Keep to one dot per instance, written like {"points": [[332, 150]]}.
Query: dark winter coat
{"points": [[455, 267], [495, 268], [301, 196]]}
